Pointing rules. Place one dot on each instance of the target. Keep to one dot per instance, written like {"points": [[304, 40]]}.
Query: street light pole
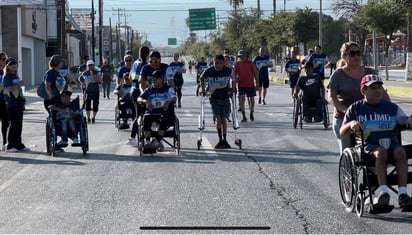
{"points": [[93, 40], [63, 29], [320, 23], [100, 32]]}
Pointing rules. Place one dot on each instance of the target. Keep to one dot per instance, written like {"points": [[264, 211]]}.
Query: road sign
{"points": [[172, 41], [202, 19]]}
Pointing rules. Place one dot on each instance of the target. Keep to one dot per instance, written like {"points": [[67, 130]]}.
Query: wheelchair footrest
{"points": [[377, 209], [149, 151]]}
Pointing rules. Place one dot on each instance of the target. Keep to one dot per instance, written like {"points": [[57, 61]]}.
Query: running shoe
{"points": [[383, 199], [225, 144], [12, 150], [93, 120], [219, 145], [252, 118], [404, 200], [260, 100], [132, 142]]}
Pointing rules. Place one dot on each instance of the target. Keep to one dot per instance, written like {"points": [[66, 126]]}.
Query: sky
{"points": [[158, 20]]}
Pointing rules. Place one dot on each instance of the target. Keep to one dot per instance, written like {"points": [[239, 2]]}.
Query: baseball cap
{"points": [[89, 62], [242, 53], [369, 79]]}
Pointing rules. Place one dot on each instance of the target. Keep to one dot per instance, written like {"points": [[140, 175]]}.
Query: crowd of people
{"points": [[147, 85]]}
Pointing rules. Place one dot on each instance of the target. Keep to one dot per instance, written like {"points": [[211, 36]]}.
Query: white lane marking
{"points": [[15, 177], [207, 147]]}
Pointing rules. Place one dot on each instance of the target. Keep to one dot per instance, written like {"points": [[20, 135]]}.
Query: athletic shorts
{"points": [[220, 108], [248, 91], [369, 148], [264, 82]]}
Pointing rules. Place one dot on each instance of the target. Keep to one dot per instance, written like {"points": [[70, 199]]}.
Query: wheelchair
{"points": [[173, 131], [124, 111], [358, 180], [297, 118], [53, 130]]}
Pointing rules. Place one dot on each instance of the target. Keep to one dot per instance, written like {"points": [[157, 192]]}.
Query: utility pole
{"points": [[93, 39], [320, 24], [408, 74], [258, 9], [63, 29], [100, 32], [274, 7], [111, 40]]}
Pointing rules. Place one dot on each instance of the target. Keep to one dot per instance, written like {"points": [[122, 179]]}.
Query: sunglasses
{"points": [[354, 53], [154, 61], [128, 60], [3, 59]]}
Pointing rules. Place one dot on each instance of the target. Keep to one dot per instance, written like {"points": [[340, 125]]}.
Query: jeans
{"points": [[344, 141], [68, 124], [312, 102]]}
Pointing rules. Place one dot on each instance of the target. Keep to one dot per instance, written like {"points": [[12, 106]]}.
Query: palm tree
{"points": [[235, 4]]}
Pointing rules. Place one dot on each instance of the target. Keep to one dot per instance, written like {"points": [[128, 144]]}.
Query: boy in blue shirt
{"points": [[378, 119]]}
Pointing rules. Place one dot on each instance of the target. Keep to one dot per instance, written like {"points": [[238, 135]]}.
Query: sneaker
{"points": [[307, 119], [179, 105], [123, 126], [93, 120], [383, 199], [75, 141], [12, 150], [219, 145], [260, 100], [160, 147], [404, 200], [3, 147], [147, 145], [318, 119], [264, 102], [244, 120], [25, 149], [132, 142], [252, 118], [62, 143], [89, 120], [154, 144], [225, 144]]}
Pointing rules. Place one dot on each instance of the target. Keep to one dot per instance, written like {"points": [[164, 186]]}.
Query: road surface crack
{"points": [[281, 192]]}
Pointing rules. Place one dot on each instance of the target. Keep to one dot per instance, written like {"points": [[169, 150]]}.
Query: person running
{"points": [[263, 63], [15, 101], [155, 64], [91, 80], [178, 68], [319, 60], [292, 67], [107, 74], [135, 72], [200, 67], [3, 109], [218, 79], [246, 77]]}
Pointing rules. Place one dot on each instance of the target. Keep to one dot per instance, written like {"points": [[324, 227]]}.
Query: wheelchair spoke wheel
{"points": [[348, 179], [176, 140], [326, 122], [84, 136], [48, 137], [360, 204]]}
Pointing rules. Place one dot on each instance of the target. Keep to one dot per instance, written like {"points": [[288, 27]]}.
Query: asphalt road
{"points": [[284, 180]]}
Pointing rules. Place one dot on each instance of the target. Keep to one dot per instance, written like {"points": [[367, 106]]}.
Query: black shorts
{"points": [[264, 82], [248, 91]]}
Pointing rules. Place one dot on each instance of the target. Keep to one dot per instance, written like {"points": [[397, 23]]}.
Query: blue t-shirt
{"points": [[177, 76], [1, 86], [63, 115], [92, 86], [57, 81], [319, 63], [293, 66], [147, 72], [121, 72], [125, 92], [158, 97], [15, 98], [200, 67], [137, 69], [262, 63], [218, 82], [378, 120]]}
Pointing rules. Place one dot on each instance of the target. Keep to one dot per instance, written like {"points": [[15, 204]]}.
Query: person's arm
{"points": [[142, 83], [333, 98], [350, 127]]}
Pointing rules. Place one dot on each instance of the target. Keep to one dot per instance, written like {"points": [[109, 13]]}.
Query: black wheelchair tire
{"points": [[348, 178]]}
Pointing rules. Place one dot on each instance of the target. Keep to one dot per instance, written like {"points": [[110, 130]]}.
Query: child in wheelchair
{"points": [[377, 118], [313, 94], [124, 92], [159, 100], [66, 119]]}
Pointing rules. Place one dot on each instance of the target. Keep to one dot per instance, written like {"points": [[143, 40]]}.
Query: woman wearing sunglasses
{"points": [[344, 86], [155, 64]]}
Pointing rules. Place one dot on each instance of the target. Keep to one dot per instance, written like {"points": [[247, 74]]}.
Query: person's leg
{"points": [[95, 106], [265, 89], [4, 121], [63, 133], [401, 164], [242, 94]]}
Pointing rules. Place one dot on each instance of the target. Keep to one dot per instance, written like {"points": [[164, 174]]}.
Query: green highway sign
{"points": [[202, 19], [172, 41]]}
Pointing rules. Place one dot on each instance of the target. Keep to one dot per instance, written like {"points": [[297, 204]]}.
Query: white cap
{"points": [[90, 62]]}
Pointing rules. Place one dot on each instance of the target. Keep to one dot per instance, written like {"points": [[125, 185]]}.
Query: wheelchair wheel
{"points": [[140, 136], [117, 117], [84, 135], [360, 204], [348, 178], [296, 112], [48, 137], [176, 139]]}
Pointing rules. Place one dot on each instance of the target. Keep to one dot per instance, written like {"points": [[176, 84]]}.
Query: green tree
{"points": [[383, 16]]}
